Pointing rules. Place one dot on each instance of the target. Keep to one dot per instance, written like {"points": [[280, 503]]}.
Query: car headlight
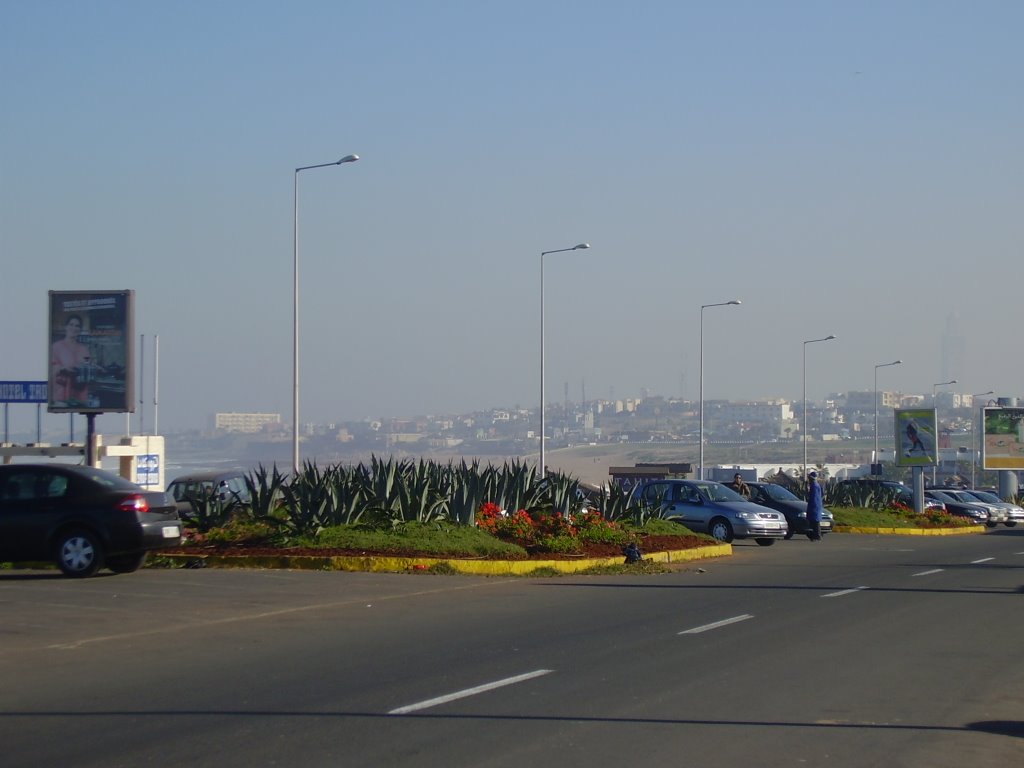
{"points": [[745, 515]]}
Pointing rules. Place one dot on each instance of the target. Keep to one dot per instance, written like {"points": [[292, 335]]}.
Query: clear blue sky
{"points": [[840, 167]]}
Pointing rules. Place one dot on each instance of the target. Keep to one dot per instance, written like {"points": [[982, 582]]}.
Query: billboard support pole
{"points": [[918, 490], [90, 439]]}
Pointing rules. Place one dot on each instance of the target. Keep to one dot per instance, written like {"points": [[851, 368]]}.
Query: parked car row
{"points": [[708, 507], [982, 507]]}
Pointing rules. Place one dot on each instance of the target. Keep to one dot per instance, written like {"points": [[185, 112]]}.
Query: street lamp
{"points": [[935, 405], [734, 302], [803, 428], [974, 446], [880, 365], [295, 306], [581, 246]]}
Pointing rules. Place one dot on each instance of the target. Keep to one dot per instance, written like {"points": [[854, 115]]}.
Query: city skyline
{"points": [[24, 420]]}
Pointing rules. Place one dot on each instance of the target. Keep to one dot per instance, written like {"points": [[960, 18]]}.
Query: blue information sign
{"points": [[23, 392], [147, 469]]}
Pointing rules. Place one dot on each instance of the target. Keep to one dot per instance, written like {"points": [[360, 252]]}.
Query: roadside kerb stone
{"points": [[912, 531], [479, 567]]}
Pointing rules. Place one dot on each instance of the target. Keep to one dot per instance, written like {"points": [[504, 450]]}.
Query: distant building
{"points": [[764, 412], [249, 423]]}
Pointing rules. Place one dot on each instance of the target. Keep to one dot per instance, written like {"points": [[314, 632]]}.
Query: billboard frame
{"points": [[1002, 438], [912, 429]]}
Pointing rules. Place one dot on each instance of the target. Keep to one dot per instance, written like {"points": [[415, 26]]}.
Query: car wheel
{"points": [[990, 524], [721, 530], [78, 553], [765, 542], [1010, 523], [126, 563], [790, 530]]}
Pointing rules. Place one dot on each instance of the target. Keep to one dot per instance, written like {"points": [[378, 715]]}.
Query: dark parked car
{"points": [[81, 518], [708, 507], [974, 512], [794, 508], [225, 487]]}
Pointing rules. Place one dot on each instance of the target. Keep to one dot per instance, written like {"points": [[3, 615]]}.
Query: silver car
{"points": [[996, 513], [708, 507], [1014, 513]]}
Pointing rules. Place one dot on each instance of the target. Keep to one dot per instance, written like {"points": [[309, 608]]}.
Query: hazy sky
{"points": [[847, 168]]}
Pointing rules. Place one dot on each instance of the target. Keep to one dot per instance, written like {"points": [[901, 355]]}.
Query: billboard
{"points": [[916, 445], [1003, 443], [91, 352]]}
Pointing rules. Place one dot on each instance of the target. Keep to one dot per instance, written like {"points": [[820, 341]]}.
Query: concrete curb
{"points": [[913, 531], [477, 567]]}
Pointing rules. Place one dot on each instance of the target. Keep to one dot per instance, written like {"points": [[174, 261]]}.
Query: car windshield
{"points": [[941, 495], [778, 493], [961, 496], [718, 492], [182, 491], [986, 496]]}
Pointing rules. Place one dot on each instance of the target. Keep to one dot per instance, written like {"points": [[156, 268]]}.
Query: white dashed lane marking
{"points": [[716, 625]]}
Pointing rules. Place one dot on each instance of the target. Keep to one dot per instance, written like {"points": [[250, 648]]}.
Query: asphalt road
{"points": [[856, 651]]}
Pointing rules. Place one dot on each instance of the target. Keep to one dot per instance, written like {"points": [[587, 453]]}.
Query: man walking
{"points": [[815, 506]]}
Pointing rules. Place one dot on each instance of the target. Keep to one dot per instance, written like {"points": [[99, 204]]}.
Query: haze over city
{"points": [[846, 169]]}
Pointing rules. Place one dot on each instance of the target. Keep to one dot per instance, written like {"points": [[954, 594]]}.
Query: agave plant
{"points": [[266, 494], [613, 503], [211, 510], [309, 501], [404, 492], [467, 489]]}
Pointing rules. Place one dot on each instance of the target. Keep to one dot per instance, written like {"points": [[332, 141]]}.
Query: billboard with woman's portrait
{"points": [[91, 352]]}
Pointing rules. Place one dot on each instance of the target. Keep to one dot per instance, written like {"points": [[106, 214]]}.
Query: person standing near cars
{"points": [[739, 486], [815, 507]]}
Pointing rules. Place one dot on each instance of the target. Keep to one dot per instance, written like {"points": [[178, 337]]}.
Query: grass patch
{"points": [[863, 517], [545, 571], [427, 539], [643, 568]]}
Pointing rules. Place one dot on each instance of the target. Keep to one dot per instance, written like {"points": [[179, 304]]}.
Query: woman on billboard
{"points": [[69, 366]]}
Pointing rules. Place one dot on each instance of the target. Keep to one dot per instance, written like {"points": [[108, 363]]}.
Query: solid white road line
{"points": [[716, 625], [929, 573], [844, 592], [983, 560], [470, 692]]}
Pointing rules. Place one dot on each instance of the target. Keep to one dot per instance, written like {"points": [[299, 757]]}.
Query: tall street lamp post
{"points": [[803, 428], [295, 306], [974, 442], [880, 365], [935, 405], [734, 302], [541, 467]]}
